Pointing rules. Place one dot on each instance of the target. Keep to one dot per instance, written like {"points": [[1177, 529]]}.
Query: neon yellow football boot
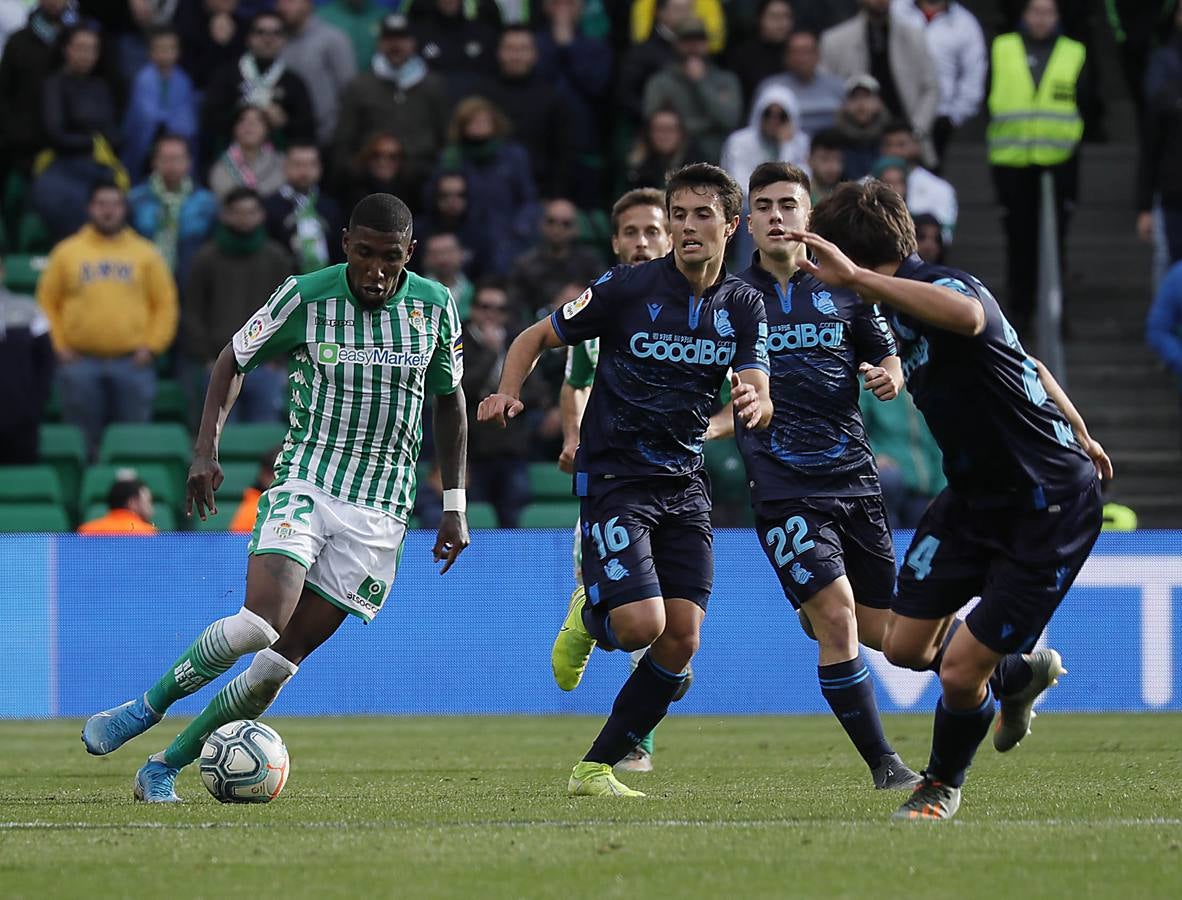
{"points": [[573, 646], [591, 779]]}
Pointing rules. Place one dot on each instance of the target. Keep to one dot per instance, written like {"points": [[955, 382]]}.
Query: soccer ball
{"points": [[244, 762]]}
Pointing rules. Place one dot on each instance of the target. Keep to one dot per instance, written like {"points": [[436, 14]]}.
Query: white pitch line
{"points": [[583, 823]]}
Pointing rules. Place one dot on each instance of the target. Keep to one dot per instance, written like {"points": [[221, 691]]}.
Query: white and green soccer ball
{"points": [[245, 762]]}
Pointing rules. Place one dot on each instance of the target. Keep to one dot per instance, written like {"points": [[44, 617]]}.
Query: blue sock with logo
{"points": [[642, 702], [1011, 675], [955, 737], [849, 691]]}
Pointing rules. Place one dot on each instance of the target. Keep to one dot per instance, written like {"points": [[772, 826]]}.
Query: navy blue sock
{"points": [[1011, 675], [1012, 672], [598, 624], [641, 704], [849, 690], [955, 738]]}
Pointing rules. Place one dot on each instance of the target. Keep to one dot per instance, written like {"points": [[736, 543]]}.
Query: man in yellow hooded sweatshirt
{"points": [[112, 308]]}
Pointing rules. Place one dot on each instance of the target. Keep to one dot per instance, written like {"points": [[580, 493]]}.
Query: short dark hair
{"points": [[266, 14], [827, 139], [775, 172], [165, 137], [103, 184], [516, 28], [240, 193], [159, 31], [697, 176], [868, 221], [636, 197], [381, 212], [490, 283], [303, 145], [894, 126], [123, 492]]}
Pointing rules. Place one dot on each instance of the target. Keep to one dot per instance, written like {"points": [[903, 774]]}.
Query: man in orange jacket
{"points": [[248, 508], [130, 511]]}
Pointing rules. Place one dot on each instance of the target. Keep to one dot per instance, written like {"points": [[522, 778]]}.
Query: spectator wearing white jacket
{"points": [[958, 50], [926, 191], [771, 135]]}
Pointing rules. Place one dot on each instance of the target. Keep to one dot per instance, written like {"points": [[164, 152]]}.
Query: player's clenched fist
{"points": [[499, 408], [879, 381]]}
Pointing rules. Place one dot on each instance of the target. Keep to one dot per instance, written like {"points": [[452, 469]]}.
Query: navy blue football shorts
{"points": [[647, 537], [812, 542], [1021, 563]]}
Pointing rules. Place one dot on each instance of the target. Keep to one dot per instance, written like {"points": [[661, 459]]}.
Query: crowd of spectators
{"points": [[182, 157]]}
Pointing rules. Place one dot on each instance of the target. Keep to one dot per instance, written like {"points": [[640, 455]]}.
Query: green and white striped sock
{"points": [[245, 697], [216, 649]]}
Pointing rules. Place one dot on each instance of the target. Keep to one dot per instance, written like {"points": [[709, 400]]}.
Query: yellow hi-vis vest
{"points": [[1029, 127]]}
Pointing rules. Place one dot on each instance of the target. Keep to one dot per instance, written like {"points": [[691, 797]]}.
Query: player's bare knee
{"points": [[636, 632], [834, 624], [962, 682]]}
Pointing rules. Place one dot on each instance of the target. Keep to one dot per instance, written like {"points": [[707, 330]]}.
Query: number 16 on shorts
{"points": [[609, 538]]}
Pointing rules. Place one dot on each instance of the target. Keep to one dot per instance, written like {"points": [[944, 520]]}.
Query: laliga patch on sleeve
{"points": [[956, 284], [574, 307], [253, 330]]}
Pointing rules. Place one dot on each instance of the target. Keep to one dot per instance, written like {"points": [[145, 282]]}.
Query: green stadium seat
{"points": [[134, 444], [170, 404], [30, 484], [249, 441], [481, 515], [238, 477], [53, 409], [22, 271], [64, 448], [17, 517], [164, 518], [97, 481], [548, 482], [32, 235], [724, 463], [220, 522], [550, 515]]}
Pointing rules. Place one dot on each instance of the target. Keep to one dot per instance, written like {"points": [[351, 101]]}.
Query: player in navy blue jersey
{"points": [[1022, 508], [669, 331], [814, 485]]}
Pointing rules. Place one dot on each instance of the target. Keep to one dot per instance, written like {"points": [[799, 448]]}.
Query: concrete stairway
{"points": [[1130, 402]]}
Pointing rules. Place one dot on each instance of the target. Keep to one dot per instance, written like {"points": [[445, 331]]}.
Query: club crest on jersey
{"points": [[283, 530], [417, 320], [722, 323], [800, 574], [823, 302], [615, 570], [576, 306]]}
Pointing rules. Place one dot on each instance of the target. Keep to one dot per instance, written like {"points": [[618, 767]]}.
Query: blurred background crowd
{"points": [[165, 164]]}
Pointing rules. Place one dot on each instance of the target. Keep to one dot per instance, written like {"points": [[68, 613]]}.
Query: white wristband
{"points": [[455, 500]]}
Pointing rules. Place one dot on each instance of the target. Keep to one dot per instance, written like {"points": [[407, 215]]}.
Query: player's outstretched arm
{"points": [[523, 355], [205, 474], [939, 306], [751, 398], [572, 403], [885, 380], [1090, 445], [451, 445]]}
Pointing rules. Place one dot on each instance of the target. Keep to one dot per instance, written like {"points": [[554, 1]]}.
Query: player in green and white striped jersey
{"points": [[640, 232], [364, 342]]}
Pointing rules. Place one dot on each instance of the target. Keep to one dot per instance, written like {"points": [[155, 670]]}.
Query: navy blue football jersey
{"points": [[816, 444], [663, 356], [1002, 436]]}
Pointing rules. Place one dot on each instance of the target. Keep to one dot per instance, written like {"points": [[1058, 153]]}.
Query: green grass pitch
{"points": [[1089, 806]]}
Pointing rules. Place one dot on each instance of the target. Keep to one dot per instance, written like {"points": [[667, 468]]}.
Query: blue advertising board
{"points": [[86, 623]]}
